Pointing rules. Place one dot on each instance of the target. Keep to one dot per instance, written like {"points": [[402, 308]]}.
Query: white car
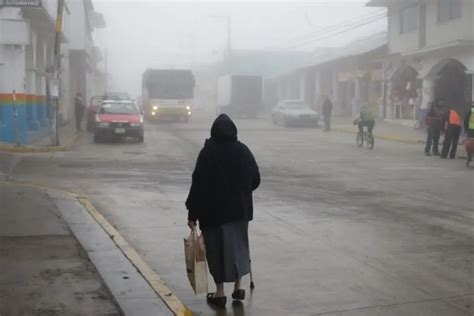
{"points": [[294, 112]]}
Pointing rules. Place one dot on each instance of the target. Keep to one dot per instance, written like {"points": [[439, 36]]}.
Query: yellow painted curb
{"points": [[38, 149], [158, 285], [385, 137]]}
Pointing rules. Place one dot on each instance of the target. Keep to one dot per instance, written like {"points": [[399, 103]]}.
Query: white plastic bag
{"points": [[196, 267]]}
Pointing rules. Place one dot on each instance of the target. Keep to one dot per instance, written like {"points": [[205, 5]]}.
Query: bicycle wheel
{"points": [[370, 141], [360, 139]]}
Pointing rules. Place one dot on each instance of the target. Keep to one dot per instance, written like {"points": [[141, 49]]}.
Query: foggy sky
{"points": [[142, 34]]}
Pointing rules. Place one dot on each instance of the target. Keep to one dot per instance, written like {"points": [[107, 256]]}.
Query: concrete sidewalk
{"points": [[67, 137], [57, 260], [44, 268], [383, 130], [67, 132]]}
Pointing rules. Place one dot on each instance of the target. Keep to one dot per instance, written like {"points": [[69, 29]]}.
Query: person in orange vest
{"points": [[453, 131]]}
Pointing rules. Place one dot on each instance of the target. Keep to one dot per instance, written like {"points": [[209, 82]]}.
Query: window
{"points": [[408, 19], [449, 10]]}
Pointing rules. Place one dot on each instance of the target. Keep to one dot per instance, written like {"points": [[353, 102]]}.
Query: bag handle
{"points": [[199, 248]]}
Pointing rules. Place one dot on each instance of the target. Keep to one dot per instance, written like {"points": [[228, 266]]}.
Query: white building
{"points": [[430, 55], [81, 55], [27, 34], [350, 76]]}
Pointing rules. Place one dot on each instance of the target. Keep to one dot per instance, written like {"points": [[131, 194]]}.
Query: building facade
{"points": [[27, 35], [351, 76], [430, 55]]}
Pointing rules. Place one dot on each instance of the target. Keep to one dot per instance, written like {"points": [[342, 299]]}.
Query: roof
{"points": [[363, 45]]}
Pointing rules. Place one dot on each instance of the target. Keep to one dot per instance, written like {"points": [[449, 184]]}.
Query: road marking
{"points": [[156, 283]]}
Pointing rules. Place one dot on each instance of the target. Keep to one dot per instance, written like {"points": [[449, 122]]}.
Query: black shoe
{"points": [[216, 301], [442, 157], [238, 295], [427, 154], [435, 153], [452, 157]]}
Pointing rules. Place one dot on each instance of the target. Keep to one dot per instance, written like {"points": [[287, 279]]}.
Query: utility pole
{"points": [[229, 44], [229, 40], [105, 70], [15, 117], [57, 66]]}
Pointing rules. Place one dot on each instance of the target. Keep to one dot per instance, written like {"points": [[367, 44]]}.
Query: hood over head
{"points": [[223, 129]]}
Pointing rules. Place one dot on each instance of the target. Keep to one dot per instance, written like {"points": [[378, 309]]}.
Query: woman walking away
{"points": [[220, 199], [434, 121]]}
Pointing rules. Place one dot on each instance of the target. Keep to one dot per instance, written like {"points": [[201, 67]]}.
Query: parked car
{"points": [[118, 119], [94, 104], [294, 112]]}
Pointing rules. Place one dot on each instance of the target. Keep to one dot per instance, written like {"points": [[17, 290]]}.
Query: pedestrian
{"points": [[78, 110], [327, 112], [469, 122], [220, 200], [453, 131], [434, 122]]}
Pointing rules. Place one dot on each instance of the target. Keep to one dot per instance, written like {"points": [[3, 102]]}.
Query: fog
{"points": [[316, 157], [179, 34]]}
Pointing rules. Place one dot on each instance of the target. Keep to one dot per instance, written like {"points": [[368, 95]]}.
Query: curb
{"points": [[384, 137], [38, 149], [156, 283], [151, 277]]}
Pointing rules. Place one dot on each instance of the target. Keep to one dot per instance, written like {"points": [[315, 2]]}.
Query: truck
{"points": [[167, 94], [240, 95]]}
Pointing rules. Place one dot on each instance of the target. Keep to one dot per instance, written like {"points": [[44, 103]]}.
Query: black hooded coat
{"points": [[225, 175]]}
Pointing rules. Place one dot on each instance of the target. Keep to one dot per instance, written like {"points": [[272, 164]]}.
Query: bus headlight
{"points": [[153, 113], [155, 107], [188, 108], [189, 113]]}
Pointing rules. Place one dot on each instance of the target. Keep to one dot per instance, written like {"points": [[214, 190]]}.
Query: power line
{"points": [[337, 32], [329, 30], [332, 27]]}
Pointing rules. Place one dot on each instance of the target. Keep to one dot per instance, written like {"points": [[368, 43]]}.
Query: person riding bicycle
{"points": [[365, 118]]}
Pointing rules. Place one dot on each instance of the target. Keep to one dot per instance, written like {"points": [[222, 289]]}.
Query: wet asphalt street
{"points": [[338, 230]]}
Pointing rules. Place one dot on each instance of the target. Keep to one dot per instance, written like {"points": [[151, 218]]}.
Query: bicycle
{"points": [[365, 136]]}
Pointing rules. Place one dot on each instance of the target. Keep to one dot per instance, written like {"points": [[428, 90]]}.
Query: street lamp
{"points": [[229, 39]]}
